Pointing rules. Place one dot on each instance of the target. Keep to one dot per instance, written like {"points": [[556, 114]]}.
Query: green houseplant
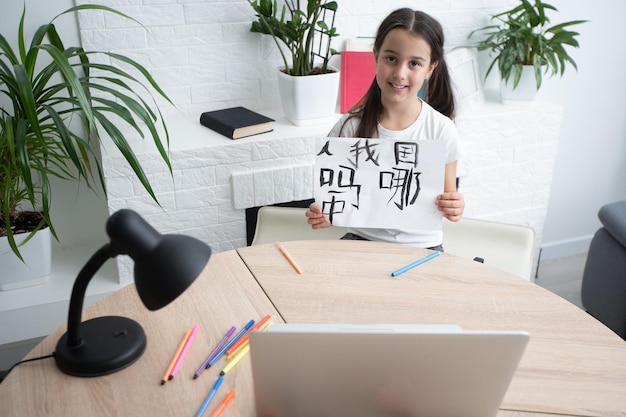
{"points": [[308, 86], [522, 37], [57, 101], [295, 29]]}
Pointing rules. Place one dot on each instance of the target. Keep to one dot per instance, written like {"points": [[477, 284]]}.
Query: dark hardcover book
{"points": [[236, 122]]}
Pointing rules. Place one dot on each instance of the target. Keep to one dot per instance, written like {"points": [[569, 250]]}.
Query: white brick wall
{"points": [[204, 56], [509, 162]]}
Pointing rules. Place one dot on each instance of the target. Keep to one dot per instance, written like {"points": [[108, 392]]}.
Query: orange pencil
{"points": [[244, 338], [218, 410], [166, 376], [289, 258]]}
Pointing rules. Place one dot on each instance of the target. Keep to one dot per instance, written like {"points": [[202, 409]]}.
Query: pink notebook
{"points": [[358, 70]]}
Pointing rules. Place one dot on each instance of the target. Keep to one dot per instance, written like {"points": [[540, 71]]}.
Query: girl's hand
{"points": [[315, 217], [451, 204]]}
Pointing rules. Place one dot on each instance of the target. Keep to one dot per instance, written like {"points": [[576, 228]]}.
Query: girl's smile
{"points": [[402, 64], [398, 87]]}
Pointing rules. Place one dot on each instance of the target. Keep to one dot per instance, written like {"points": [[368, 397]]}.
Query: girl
{"points": [[408, 50]]}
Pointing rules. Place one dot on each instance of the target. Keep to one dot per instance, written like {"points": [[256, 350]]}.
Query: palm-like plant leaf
{"points": [[38, 134]]}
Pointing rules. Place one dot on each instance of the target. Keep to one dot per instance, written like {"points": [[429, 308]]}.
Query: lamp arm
{"points": [[78, 291]]}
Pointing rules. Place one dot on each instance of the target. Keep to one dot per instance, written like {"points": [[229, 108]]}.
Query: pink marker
{"points": [[179, 361]]}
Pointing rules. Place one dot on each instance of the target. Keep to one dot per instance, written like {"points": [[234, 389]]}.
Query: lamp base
{"points": [[109, 344]]}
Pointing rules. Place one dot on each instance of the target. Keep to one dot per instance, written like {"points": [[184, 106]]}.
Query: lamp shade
{"points": [[165, 265], [179, 260]]}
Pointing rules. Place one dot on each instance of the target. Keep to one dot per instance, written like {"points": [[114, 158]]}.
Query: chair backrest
{"points": [[603, 289], [509, 247], [501, 245], [283, 224]]}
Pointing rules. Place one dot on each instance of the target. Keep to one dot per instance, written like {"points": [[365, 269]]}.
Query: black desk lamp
{"points": [[165, 265]]}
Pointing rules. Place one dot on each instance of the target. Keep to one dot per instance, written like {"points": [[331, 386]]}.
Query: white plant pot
{"points": [[526, 89], [37, 254], [311, 99]]}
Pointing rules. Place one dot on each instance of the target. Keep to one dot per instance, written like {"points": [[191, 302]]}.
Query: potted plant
{"points": [[57, 103], [525, 46], [303, 38]]}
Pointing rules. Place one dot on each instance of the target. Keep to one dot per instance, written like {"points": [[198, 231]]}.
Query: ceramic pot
{"points": [[311, 99], [526, 89], [37, 255]]}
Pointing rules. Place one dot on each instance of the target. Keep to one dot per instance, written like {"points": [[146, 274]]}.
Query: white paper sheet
{"points": [[379, 183]]}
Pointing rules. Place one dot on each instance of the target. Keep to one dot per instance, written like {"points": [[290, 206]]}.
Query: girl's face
{"points": [[402, 65]]}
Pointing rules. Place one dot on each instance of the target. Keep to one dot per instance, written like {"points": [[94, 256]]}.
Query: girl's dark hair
{"points": [[438, 90]]}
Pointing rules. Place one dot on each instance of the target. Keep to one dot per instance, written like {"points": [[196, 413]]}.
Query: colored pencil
{"points": [[414, 264], [235, 359], [229, 344], [183, 353], [244, 338], [168, 371], [210, 396], [289, 258], [214, 352], [223, 404]]}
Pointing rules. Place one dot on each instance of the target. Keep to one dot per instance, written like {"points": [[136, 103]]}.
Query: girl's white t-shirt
{"points": [[430, 125]]}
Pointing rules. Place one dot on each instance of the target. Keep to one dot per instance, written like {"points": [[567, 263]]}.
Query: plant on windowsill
{"points": [[522, 43], [303, 38], [57, 103]]}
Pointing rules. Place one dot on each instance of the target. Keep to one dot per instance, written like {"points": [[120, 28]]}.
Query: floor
{"points": [[563, 276]]}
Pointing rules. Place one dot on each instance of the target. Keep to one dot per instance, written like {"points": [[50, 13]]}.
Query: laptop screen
{"points": [[313, 370]]}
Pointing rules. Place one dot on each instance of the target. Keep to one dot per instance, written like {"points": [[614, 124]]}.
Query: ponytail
{"points": [[439, 92]]}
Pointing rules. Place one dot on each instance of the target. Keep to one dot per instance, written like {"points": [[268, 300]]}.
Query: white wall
{"points": [[592, 153], [591, 161]]}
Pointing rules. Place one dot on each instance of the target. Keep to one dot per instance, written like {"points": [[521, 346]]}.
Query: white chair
{"points": [[283, 224], [509, 247], [501, 245]]}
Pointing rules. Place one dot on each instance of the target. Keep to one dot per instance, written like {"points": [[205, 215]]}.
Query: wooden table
{"points": [[573, 365], [225, 295]]}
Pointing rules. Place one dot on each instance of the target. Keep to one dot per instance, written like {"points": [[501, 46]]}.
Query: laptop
{"points": [[347, 370]]}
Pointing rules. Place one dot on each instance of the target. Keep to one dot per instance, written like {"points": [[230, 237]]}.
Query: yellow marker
{"points": [[230, 365]]}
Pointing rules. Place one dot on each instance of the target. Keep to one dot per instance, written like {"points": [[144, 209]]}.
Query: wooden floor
{"points": [[563, 276]]}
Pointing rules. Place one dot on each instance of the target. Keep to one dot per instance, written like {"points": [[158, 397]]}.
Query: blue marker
{"points": [[232, 342], [209, 397], [414, 264]]}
